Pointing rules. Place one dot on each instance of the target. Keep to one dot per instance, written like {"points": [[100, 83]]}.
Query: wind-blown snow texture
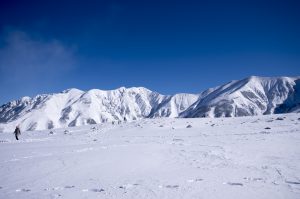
{"points": [[212, 158], [73, 107]]}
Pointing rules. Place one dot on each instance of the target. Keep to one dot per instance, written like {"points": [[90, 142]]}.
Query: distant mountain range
{"points": [[73, 107]]}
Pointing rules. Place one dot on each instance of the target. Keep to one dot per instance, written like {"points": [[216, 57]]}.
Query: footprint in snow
{"points": [[23, 190], [264, 132], [128, 186], [178, 140], [169, 186], [172, 186], [57, 195], [93, 190], [97, 190], [195, 180], [292, 182], [234, 183], [69, 187], [253, 179]]}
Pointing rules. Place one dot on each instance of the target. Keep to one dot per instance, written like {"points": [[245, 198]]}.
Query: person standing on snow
{"points": [[17, 132]]}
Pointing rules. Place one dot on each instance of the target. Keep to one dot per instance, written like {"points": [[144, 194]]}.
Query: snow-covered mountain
{"points": [[250, 96], [73, 107]]}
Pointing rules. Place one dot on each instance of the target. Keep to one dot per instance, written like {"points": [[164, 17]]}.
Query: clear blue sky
{"points": [[166, 46]]}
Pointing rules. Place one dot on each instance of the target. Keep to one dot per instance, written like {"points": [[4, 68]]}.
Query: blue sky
{"points": [[166, 46]]}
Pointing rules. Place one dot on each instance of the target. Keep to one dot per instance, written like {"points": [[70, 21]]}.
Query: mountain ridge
{"points": [[253, 95]]}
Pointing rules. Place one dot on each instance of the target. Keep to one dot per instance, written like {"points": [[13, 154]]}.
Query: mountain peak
{"points": [[71, 90], [250, 96]]}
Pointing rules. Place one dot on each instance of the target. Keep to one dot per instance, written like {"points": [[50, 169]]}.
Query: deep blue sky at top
{"points": [[166, 46]]}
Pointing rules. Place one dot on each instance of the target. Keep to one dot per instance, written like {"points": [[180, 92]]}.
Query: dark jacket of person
{"points": [[17, 131]]}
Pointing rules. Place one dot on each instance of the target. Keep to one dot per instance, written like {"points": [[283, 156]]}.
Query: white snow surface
{"points": [[212, 158]]}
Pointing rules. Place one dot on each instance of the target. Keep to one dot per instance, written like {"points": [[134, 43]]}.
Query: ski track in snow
{"points": [[156, 158]]}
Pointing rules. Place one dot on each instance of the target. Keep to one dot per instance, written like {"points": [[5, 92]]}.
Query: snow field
{"points": [[246, 157]]}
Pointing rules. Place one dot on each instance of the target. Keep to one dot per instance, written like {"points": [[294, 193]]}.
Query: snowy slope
{"points": [[292, 102], [172, 106], [217, 158], [74, 107], [250, 96]]}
